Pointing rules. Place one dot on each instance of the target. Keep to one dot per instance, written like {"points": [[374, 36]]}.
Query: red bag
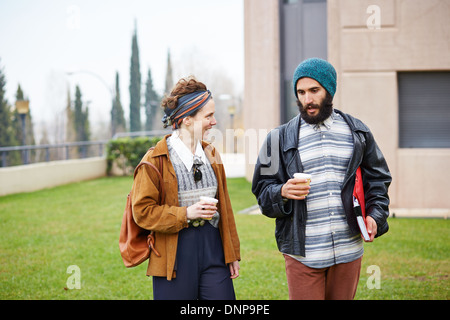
{"points": [[135, 242]]}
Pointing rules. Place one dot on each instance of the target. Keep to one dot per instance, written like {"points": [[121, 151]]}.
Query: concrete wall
{"points": [[262, 68], [49, 174]]}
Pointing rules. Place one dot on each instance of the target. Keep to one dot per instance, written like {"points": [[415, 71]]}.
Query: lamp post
{"points": [[23, 106], [232, 111]]}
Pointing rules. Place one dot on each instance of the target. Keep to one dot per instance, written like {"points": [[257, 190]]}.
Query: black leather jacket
{"points": [[279, 159]]}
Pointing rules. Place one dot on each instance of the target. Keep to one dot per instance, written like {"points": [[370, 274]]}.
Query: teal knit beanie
{"points": [[320, 70]]}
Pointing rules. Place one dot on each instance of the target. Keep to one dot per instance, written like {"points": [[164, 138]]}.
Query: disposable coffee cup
{"points": [[303, 176], [209, 200]]}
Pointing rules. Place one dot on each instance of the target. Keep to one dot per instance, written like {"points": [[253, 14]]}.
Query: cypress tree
{"points": [[81, 118], [118, 123], [6, 137], [7, 132], [152, 110], [169, 75], [78, 115], [81, 121], [16, 119], [70, 120], [70, 131], [135, 86], [86, 126]]}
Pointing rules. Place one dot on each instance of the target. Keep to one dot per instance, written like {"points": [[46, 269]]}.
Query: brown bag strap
{"points": [[162, 196], [162, 193]]}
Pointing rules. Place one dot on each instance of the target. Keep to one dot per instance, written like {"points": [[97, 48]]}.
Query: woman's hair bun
{"points": [[182, 87]]}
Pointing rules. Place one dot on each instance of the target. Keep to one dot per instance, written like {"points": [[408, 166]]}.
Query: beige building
{"points": [[393, 63]]}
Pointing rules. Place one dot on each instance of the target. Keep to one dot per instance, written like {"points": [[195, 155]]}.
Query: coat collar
{"points": [[293, 126], [184, 153], [161, 149], [291, 134]]}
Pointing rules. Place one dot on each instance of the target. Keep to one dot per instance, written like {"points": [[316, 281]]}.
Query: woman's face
{"points": [[204, 120]]}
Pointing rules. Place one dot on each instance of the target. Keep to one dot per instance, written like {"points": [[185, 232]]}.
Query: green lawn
{"points": [[44, 233]]}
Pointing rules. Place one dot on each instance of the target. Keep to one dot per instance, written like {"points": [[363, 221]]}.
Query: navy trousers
{"points": [[201, 270]]}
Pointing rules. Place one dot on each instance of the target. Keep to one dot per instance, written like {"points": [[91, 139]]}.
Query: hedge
{"points": [[127, 152]]}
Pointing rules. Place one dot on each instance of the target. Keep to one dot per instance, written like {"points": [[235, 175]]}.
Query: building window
{"points": [[424, 109], [303, 34]]}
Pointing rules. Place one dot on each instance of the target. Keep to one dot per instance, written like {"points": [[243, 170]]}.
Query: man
{"points": [[316, 227]]}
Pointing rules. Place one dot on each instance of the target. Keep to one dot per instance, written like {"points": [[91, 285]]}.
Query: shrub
{"points": [[127, 152]]}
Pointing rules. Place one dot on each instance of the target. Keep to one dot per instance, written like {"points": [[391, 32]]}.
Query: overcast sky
{"points": [[42, 40]]}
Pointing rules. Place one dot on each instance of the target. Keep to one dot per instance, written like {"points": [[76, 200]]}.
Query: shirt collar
{"points": [[326, 123], [184, 152]]}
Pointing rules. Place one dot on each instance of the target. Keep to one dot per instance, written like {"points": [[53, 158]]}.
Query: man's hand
{"points": [[295, 189], [371, 228]]}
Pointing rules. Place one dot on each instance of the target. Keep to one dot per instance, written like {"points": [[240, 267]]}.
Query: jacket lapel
{"points": [[358, 130], [210, 152], [162, 150], [290, 147]]}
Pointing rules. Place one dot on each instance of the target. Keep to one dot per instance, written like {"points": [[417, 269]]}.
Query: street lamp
{"points": [[23, 106], [232, 111]]}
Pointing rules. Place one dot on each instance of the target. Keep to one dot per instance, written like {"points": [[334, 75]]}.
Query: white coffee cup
{"points": [[302, 175], [209, 200]]}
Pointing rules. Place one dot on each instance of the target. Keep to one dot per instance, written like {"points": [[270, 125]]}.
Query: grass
{"points": [[45, 232]]}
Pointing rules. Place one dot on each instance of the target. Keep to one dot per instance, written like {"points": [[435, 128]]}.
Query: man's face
{"points": [[315, 103]]}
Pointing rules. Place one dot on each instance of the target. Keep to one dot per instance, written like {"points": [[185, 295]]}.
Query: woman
{"points": [[197, 241]]}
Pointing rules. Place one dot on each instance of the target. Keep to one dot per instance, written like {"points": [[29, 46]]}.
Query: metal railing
{"points": [[65, 151], [152, 133], [42, 152]]}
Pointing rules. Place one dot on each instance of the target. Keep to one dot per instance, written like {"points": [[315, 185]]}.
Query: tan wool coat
{"points": [[168, 219]]}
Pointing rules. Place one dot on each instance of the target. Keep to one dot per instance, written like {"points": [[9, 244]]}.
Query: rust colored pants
{"points": [[338, 282]]}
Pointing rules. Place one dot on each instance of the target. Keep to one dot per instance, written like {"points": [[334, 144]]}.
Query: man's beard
{"points": [[325, 109]]}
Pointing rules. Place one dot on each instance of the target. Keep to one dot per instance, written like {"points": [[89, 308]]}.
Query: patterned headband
{"points": [[187, 105]]}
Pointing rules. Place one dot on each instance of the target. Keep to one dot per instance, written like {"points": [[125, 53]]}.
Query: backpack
{"points": [[135, 242]]}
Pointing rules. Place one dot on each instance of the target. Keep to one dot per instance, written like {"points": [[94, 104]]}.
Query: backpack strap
{"points": [[162, 196], [162, 193]]}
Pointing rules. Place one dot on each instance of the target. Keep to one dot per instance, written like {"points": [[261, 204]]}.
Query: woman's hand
{"points": [[234, 269], [201, 210]]}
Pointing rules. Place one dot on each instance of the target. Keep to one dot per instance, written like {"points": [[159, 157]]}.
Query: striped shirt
{"points": [[325, 150]]}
